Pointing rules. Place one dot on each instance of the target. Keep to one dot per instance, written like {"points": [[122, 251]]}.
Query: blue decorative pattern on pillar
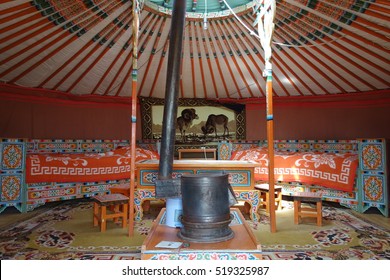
{"points": [[373, 175], [12, 164]]}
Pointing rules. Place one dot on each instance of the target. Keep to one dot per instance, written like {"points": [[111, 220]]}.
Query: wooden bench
{"points": [[300, 211], [118, 203]]}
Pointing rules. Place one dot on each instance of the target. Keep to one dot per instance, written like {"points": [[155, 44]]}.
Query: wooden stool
{"points": [[264, 194], [125, 190], [300, 211], [120, 205]]}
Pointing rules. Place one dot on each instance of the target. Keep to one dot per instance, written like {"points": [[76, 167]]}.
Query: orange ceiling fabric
{"points": [[84, 48]]}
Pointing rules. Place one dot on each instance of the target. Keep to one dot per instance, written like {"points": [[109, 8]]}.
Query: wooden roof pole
{"points": [[270, 140], [136, 11], [266, 9]]}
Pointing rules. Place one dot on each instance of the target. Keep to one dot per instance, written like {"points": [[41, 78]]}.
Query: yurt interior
{"points": [[194, 129]]}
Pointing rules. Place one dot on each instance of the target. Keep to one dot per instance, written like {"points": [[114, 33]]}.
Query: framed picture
{"points": [[197, 121]]}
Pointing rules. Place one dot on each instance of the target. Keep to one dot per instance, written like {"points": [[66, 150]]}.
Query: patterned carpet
{"points": [[65, 231]]}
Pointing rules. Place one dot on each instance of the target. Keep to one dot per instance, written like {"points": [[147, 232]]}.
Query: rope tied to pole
{"points": [[265, 10]]}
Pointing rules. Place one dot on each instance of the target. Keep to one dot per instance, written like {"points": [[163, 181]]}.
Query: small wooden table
{"points": [[242, 246], [300, 211], [264, 194], [241, 178], [119, 204]]}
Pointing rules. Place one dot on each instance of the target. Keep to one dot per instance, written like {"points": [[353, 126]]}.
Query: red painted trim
{"points": [[45, 96], [380, 98]]}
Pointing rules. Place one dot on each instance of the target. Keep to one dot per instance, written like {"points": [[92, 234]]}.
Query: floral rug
{"points": [[65, 231]]}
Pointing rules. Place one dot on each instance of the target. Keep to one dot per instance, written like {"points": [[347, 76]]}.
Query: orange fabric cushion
{"points": [[332, 170], [89, 167]]}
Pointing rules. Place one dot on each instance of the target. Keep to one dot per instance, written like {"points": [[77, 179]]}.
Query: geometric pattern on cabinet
{"points": [[11, 156], [373, 186], [38, 146], [11, 185], [12, 161], [373, 175], [224, 150], [372, 156]]}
